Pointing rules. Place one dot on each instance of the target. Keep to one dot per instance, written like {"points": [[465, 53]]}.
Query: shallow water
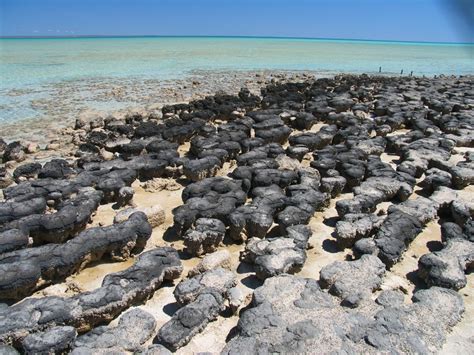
{"points": [[29, 68]]}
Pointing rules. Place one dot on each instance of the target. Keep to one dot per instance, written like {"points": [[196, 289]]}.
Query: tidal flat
{"points": [[241, 213]]}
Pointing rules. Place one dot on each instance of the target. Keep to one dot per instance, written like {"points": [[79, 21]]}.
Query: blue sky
{"points": [[412, 20]]}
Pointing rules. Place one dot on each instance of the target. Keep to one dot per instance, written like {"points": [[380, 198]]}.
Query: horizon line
{"points": [[236, 36]]}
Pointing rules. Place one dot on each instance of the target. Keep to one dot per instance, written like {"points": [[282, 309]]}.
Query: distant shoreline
{"points": [[322, 39]]}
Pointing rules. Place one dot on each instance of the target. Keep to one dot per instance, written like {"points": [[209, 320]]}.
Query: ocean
{"points": [[31, 68]]}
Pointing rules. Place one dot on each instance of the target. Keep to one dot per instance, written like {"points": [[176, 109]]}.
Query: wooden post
{"points": [[380, 69], [411, 73], [401, 73]]}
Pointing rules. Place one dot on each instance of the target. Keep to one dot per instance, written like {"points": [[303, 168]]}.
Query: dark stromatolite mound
{"points": [[462, 174], [14, 151], [417, 155], [291, 314], [13, 239], [134, 328], [24, 271], [383, 183], [55, 340], [6, 179], [107, 180], [199, 169], [118, 292], [275, 256], [256, 218], [209, 198], [3, 146], [353, 280], [396, 232], [204, 237], [72, 215], [314, 141], [303, 200], [12, 210], [447, 267], [356, 226], [26, 171], [403, 223], [203, 298]]}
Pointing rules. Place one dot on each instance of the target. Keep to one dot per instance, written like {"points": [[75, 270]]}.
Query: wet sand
{"points": [[62, 103]]}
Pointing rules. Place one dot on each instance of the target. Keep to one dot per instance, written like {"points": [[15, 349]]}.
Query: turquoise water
{"points": [[32, 61], [29, 64]]}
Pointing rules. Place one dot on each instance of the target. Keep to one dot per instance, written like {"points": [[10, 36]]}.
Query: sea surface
{"points": [[32, 70]]}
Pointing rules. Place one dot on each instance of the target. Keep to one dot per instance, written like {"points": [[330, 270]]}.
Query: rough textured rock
{"points": [[396, 232], [204, 237], [274, 256], [255, 219], [376, 138], [447, 267], [435, 178], [84, 311], [54, 340], [218, 259], [134, 328], [423, 209], [13, 239], [217, 279], [14, 151], [6, 179], [334, 185], [349, 279], [203, 298], [210, 198], [190, 320], [199, 169], [155, 349], [71, 217], [8, 350], [291, 314], [356, 226], [155, 214], [12, 210], [462, 174], [24, 271]]}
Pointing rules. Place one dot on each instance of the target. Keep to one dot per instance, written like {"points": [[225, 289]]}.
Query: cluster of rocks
{"points": [[292, 314], [287, 153]]}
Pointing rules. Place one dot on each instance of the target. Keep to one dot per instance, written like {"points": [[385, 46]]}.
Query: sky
{"points": [[403, 20]]}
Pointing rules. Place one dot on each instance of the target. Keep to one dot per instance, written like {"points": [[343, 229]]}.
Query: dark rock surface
{"points": [[54, 340], [202, 297], [274, 256], [23, 271], [357, 278], [84, 311], [134, 328], [204, 237], [291, 314], [447, 267], [353, 227]]}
